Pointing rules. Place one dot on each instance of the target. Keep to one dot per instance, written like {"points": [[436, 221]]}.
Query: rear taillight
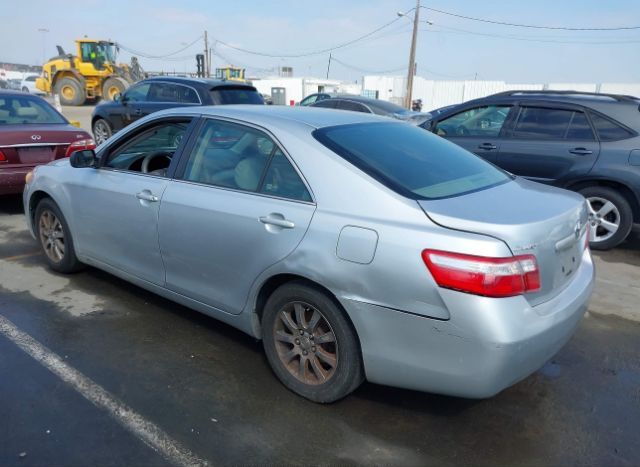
{"points": [[3, 158], [480, 275], [80, 145]]}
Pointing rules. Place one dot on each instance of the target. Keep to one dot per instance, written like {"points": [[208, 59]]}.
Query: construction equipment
{"points": [[231, 73], [89, 74]]}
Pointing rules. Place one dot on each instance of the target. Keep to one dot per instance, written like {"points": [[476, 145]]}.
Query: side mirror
{"points": [[83, 158], [117, 97]]}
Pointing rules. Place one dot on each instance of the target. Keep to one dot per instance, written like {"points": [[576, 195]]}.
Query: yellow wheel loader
{"points": [[91, 73]]}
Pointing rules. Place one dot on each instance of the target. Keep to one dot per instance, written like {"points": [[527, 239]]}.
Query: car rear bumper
{"points": [[12, 180], [488, 344]]}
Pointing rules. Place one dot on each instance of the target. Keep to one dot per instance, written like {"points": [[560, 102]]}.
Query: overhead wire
{"points": [[531, 26]]}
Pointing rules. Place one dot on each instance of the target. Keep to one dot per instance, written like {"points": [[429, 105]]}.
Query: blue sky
{"points": [[446, 50]]}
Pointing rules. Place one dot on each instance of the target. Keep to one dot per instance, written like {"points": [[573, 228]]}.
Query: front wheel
{"points": [[309, 343], [55, 239], [610, 217], [25, 89]]}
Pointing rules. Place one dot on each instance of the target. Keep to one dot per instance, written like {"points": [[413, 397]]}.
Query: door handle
{"points": [[137, 111], [487, 146], [580, 151], [146, 195], [284, 223]]}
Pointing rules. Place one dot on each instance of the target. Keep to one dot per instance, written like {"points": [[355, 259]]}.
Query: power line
{"points": [[146, 55], [502, 23], [364, 70], [315, 52], [451, 30]]}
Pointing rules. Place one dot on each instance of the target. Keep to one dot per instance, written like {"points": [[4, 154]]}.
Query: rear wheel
{"points": [[55, 239], [101, 131], [310, 344], [113, 86], [70, 92], [25, 89], [610, 217]]}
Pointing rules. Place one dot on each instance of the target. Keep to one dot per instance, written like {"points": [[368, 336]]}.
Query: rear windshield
{"points": [[20, 110], [236, 95], [410, 160]]}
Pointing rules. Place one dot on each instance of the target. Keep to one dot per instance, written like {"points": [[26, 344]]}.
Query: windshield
{"points": [[236, 95], [410, 160], [21, 110], [108, 51]]}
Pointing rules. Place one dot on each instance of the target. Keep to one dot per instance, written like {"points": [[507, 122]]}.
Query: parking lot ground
{"points": [[210, 389]]}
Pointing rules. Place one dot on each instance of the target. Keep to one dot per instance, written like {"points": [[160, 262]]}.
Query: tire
{"points": [[316, 348], [113, 86], [620, 214], [25, 89], [70, 92], [101, 131], [48, 235]]}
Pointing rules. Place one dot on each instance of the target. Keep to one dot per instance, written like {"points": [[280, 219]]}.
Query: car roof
{"points": [[384, 106], [279, 115], [204, 82]]}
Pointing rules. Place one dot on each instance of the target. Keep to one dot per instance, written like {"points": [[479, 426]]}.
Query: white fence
{"points": [[436, 94]]}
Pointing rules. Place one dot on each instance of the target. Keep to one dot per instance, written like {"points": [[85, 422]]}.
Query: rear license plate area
{"points": [[36, 155]]}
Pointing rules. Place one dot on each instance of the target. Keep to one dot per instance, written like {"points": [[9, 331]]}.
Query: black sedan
{"points": [[162, 92]]}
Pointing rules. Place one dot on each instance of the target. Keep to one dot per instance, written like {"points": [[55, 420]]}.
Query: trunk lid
{"points": [[31, 145], [530, 218]]}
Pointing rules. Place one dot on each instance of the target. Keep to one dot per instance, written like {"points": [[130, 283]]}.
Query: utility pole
{"points": [[412, 55], [329, 65], [207, 70]]}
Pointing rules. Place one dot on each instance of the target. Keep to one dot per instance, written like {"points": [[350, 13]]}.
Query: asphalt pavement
{"points": [[209, 391]]}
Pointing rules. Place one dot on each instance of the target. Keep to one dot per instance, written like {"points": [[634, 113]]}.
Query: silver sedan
{"points": [[354, 246]]}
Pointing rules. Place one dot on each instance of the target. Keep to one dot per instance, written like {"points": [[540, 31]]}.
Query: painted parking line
{"points": [[143, 429], [17, 257]]}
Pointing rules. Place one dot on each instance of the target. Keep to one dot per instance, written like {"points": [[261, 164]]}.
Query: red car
{"points": [[32, 133]]}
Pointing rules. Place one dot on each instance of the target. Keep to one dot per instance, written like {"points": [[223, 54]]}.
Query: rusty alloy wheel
{"points": [[51, 235], [305, 343]]}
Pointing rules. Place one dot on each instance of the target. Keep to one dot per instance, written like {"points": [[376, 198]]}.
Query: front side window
{"points": [[481, 121], [150, 151], [409, 160], [309, 100], [20, 110], [326, 103], [138, 93], [243, 158]]}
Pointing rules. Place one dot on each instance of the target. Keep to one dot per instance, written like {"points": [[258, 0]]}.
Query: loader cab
{"points": [[98, 53]]}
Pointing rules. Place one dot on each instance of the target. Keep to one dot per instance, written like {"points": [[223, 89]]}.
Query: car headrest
{"points": [[27, 112], [248, 172]]}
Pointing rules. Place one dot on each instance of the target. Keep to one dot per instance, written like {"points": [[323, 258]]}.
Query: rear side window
{"points": [[608, 130], [236, 95], [326, 103], [409, 160], [353, 106], [541, 123]]}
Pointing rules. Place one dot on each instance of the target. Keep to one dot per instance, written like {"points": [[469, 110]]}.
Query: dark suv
{"points": [[584, 142], [163, 92]]}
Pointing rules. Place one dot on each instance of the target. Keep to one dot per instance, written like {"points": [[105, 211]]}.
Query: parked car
{"points": [[162, 92], [32, 132], [28, 84], [14, 84], [584, 142], [320, 96], [372, 106], [353, 245]]}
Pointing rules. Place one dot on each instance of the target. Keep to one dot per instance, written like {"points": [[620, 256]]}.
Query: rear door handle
{"points": [[580, 151], [146, 195], [284, 223], [487, 146]]}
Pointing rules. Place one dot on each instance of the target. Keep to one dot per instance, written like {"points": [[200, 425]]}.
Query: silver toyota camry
{"points": [[354, 246]]}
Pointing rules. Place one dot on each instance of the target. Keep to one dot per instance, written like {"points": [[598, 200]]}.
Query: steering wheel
{"points": [[152, 155]]}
